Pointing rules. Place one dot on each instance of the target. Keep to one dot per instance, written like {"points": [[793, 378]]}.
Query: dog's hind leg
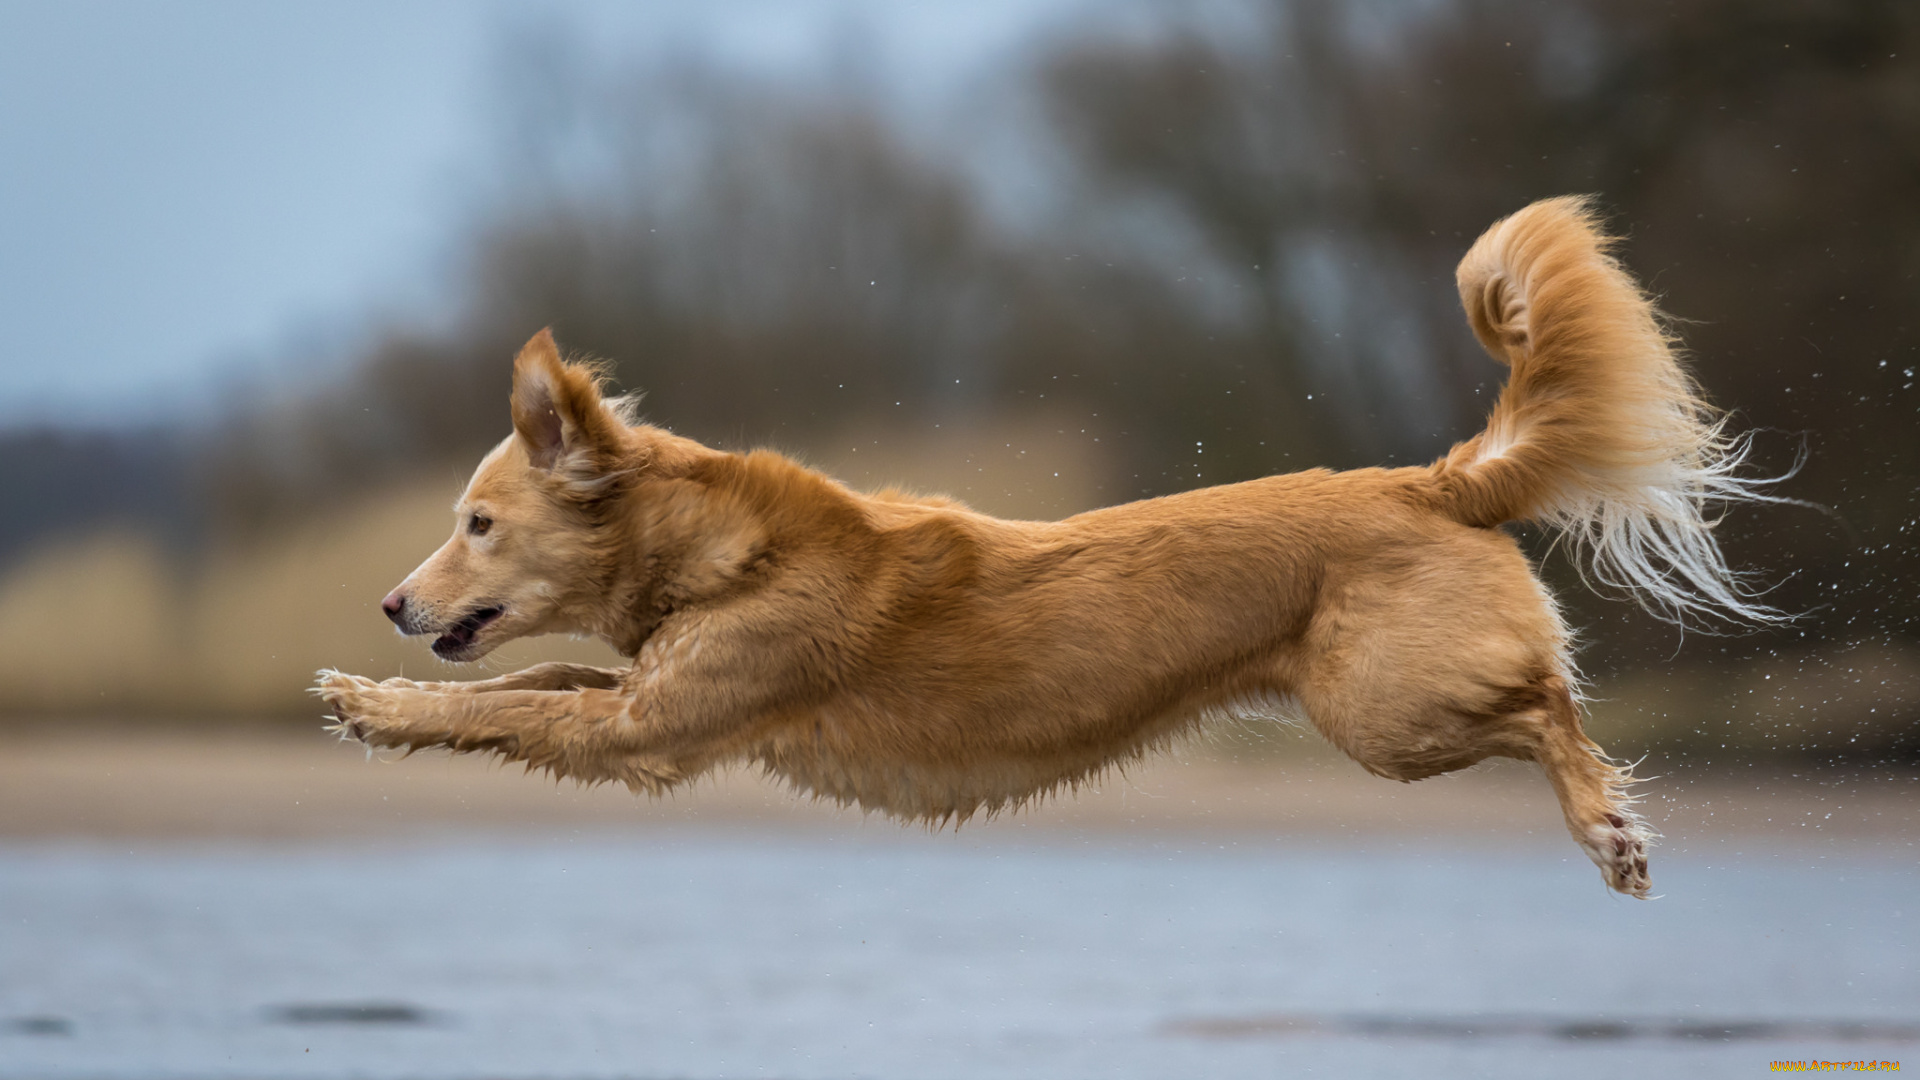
{"points": [[1414, 738], [1450, 657], [1592, 790]]}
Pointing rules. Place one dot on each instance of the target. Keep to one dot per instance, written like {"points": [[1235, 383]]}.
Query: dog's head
{"points": [[525, 544]]}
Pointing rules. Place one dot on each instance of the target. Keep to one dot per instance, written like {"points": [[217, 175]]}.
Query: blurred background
{"points": [[263, 269]]}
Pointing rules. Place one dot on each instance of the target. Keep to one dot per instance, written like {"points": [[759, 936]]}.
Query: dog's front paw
{"points": [[362, 710]]}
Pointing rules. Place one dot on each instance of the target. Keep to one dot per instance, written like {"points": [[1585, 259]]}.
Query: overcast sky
{"points": [[187, 189]]}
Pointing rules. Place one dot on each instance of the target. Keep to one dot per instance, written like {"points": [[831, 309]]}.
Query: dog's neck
{"points": [[702, 525]]}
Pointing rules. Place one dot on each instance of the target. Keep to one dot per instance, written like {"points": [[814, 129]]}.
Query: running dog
{"points": [[915, 657]]}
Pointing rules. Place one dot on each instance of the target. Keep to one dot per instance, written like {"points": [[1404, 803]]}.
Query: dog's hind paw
{"points": [[1618, 846]]}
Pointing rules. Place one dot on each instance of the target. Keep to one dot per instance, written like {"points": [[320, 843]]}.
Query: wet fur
{"points": [[913, 656]]}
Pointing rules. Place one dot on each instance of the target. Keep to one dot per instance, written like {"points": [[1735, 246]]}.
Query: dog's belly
{"points": [[937, 783]]}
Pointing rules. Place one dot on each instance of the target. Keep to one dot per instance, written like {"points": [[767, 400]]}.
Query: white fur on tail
{"points": [[1599, 432]]}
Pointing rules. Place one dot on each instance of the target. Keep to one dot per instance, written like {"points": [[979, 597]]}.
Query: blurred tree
{"points": [[57, 481], [1764, 158], [771, 265]]}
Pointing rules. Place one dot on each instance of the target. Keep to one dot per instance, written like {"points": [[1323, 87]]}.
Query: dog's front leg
{"points": [[552, 675], [696, 688], [591, 735]]}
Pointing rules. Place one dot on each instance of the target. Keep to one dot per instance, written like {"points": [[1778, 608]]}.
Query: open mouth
{"points": [[458, 640]]}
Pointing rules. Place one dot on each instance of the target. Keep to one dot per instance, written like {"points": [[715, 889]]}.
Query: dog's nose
{"points": [[395, 602]]}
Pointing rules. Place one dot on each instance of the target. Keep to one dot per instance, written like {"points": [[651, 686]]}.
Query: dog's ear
{"points": [[557, 409]]}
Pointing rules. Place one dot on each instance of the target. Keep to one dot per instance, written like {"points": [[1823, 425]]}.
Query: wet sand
{"points": [[128, 784]]}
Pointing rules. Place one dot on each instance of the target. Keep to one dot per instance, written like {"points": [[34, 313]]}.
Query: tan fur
{"points": [[915, 657]]}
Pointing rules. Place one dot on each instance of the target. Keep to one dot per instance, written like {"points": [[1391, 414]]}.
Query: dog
{"points": [[912, 656]]}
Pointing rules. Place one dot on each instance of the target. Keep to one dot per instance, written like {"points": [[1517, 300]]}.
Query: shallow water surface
{"points": [[902, 955]]}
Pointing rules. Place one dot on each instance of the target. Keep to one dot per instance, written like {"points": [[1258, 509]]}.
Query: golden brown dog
{"points": [[913, 656]]}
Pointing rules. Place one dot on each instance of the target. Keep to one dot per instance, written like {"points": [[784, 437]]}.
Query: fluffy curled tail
{"points": [[1599, 431]]}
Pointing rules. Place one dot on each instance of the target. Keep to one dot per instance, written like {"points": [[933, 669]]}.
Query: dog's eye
{"points": [[478, 525]]}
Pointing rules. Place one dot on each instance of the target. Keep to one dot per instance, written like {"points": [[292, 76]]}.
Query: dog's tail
{"points": [[1599, 431]]}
